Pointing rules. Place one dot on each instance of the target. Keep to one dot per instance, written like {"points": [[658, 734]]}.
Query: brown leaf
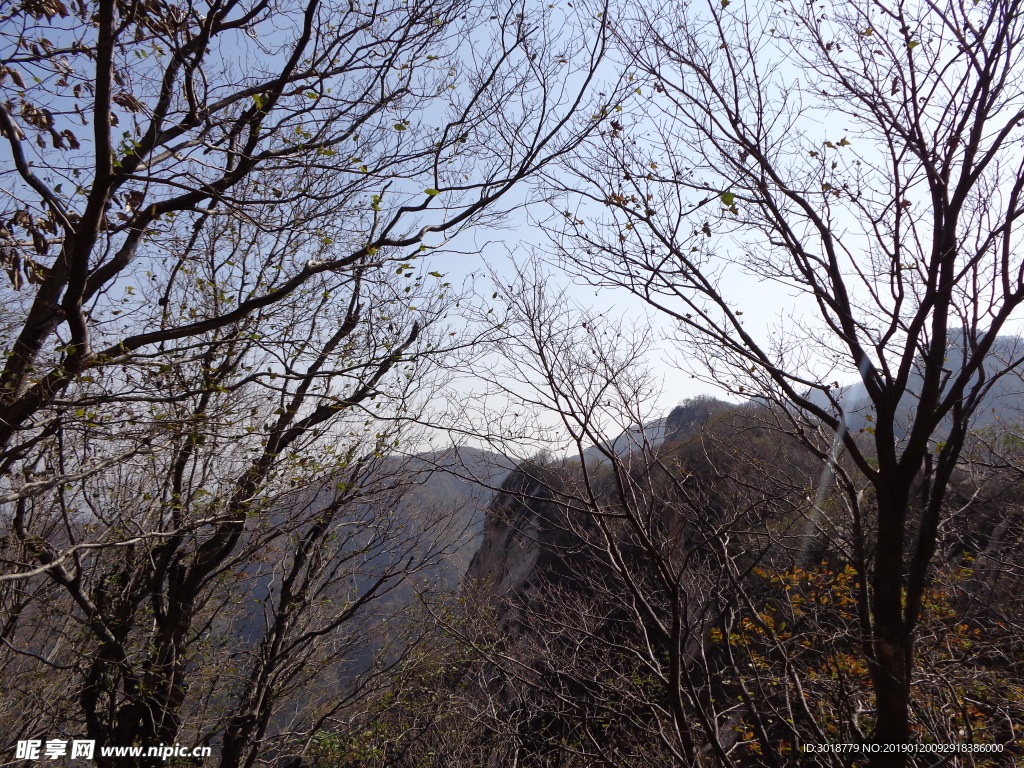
{"points": [[129, 102], [39, 242], [47, 224], [36, 117], [47, 8], [22, 219], [15, 76], [132, 200], [11, 260]]}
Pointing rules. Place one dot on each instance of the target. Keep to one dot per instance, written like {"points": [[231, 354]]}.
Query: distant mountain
{"points": [[463, 481], [1005, 400], [430, 508]]}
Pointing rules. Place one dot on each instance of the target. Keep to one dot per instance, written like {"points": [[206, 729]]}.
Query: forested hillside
{"points": [[693, 602]]}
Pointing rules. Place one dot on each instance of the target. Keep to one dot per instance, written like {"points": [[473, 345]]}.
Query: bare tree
{"points": [[211, 220], [608, 570], [682, 590], [862, 161]]}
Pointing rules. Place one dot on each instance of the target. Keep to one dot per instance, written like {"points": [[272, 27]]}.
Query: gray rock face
{"points": [[530, 541], [507, 554]]}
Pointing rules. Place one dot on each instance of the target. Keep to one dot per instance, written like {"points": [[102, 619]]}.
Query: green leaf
{"points": [[435, 274], [727, 199], [432, 191]]}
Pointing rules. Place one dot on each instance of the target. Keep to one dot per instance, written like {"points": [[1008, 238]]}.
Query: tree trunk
{"points": [[890, 645]]}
